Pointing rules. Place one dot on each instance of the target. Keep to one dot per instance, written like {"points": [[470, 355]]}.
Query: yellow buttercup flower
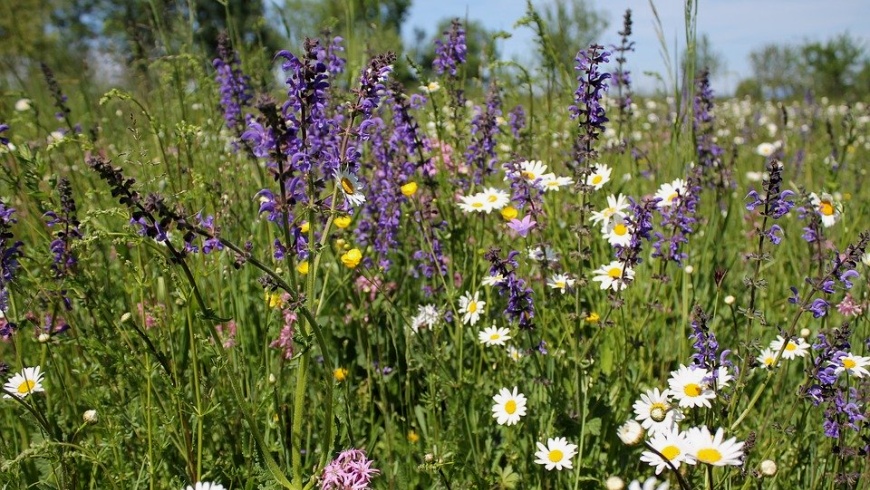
{"points": [[593, 317], [304, 227], [274, 300], [509, 213], [342, 221], [340, 374], [302, 268], [352, 258], [409, 189], [413, 437]]}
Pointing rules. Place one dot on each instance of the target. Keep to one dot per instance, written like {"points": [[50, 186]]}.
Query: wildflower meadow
{"points": [[329, 267]]}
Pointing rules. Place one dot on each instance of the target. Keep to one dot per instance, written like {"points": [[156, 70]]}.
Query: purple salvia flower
{"points": [[66, 226], [520, 305], [10, 252], [774, 204], [3, 128], [587, 109], [622, 77], [713, 172], [640, 221], [679, 220], [451, 52], [480, 155], [235, 86], [517, 121], [350, 470]]}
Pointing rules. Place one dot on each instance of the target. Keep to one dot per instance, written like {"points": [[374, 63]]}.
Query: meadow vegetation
{"points": [[494, 278]]}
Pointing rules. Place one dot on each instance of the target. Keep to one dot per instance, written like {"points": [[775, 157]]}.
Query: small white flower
{"points": [[471, 308], [852, 364], [768, 468], [350, 187], [494, 335], [22, 105], [828, 208], [616, 205], [599, 177], [672, 445], [795, 347], [649, 484], [556, 454], [689, 386], [618, 232], [560, 282], [28, 381], [427, 317], [766, 358], [614, 483], [430, 87], [765, 149], [630, 433], [495, 198], [514, 353], [614, 275], [475, 203], [671, 192], [509, 407], [550, 182], [655, 411], [205, 486], [713, 449], [492, 280]]}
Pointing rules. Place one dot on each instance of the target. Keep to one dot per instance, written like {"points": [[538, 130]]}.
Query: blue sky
{"points": [[735, 27]]}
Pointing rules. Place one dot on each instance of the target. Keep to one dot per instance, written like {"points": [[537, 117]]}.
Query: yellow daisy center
{"points": [[620, 229], [477, 204], [672, 197], [26, 386], [472, 307], [768, 361], [709, 455], [692, 389], [494, 336], [510, 407], [597, 179], [670, 452], [658, 411], [826, 208], [527, 175], [615, 272], [492, 198], [560, 284], [791, 346], [555, 456], [347, 186], [849, 363]]}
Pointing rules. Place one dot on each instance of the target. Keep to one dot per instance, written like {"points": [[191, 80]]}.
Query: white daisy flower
{"points": [[618, 231], [712, 449], [430, 87], [28, 381], [22, 105], [794, 348], [205, 486], [556, 454], [350, 186], [669, 193], [475, 203], [514, 353], [561, 282], [828, 208], [765, 149], [492, 280], [427, 317], [529, 170], [471, 308], [550, 182], [767, 358], [539, 255], [649, 484], [599, 177], [496, 198], [614, 275], [670, 444], [852, 364], [689, 387], [655, 412], [494, 335], [615, 207], [630, 433], [509, 407]]}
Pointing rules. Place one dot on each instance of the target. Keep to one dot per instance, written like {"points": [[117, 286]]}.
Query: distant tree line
{"points": [[838, 68]]}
